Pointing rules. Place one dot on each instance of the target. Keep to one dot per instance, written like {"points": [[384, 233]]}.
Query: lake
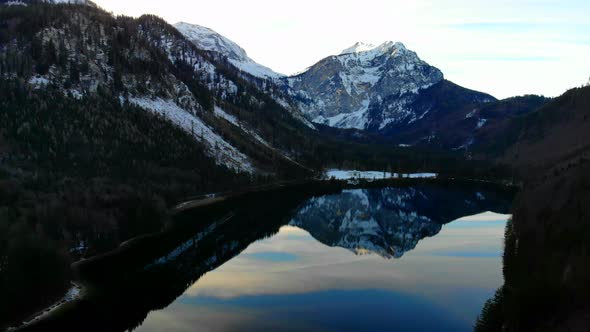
{"points": [[360, 260], [413, 258]]}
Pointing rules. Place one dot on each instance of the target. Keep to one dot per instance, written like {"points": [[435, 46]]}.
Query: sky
{"points": [[501, 47]]}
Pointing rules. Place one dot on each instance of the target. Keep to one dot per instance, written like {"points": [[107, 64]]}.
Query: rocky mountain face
{"points": [[388, 221], [339, 91], [389, 91]]}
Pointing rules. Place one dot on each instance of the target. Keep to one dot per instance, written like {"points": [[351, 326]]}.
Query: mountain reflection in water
{"points": [[291, 262], [292, 282], [388, 221]]}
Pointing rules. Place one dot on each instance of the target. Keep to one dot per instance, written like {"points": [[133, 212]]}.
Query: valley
{"points": [[108, 123]]}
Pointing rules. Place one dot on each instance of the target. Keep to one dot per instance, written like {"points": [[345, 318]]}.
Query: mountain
{"points": [[145, 62], [456, 116], [371, 87], [546, 244], [388, 91], [389, 221], [553, 137], [222, 49], [384, 90], [339, 90], [245, 124], [207, 39]]}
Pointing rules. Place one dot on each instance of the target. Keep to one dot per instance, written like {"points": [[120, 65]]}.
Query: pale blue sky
{"points": [[501, 47]]}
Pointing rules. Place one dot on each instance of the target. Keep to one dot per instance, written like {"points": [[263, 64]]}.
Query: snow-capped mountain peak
{"points": [[358, 47], [209, 40], [364, 87], [385, 47], [365, 54]]}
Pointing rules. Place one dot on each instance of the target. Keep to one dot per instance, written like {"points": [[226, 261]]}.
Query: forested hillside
{"points": [[554, 136], [77, 177], [546, 245]]}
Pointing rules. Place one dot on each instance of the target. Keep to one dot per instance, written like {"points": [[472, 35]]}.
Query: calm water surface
{"points": [[374, 260]]}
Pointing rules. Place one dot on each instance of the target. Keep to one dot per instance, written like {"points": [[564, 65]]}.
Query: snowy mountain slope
{"points": [[209, 40], [228, 84], [149, 63], [340, 90], [165, 94], [223, 152], [388, 91], [265, 79], [358, 47]]}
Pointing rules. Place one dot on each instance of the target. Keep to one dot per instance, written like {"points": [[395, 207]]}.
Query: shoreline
{"points": [[76, 291], [316, 187]]}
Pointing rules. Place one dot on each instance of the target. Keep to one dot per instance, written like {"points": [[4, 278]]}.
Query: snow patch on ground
{"points": [[219, 112], [481, 123], [233, 120], [15, 3], [226, 116], [255, 69], [39, 81], [354, 120], [72, 294], [338, 174], [471, 114], [223, 152], [466, 145]]}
